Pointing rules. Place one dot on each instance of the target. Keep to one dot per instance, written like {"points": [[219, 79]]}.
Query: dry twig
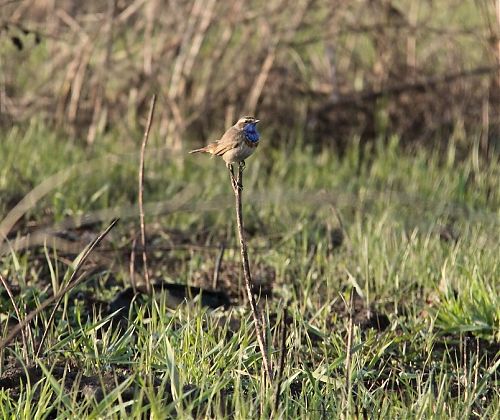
{"points": [[348, 359], [260, 327], [72, 283], [218, 264], [282, 360], [141, 192], [57, 297]]}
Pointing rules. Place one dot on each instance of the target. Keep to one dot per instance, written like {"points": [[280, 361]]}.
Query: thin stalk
{"points": [[259, 327], [217, 267], [23, 335], [348, 360], [282, 360], [72, 283], [141, 192], [57, 297]]}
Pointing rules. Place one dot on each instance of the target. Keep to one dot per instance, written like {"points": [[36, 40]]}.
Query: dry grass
{"points": [[323, 70]]}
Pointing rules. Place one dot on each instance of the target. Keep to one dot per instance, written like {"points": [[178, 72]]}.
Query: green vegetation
{"points": [[415, 238], [371, 207]]}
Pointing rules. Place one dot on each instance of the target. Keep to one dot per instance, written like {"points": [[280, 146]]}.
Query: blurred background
{"points": [[324, 71]]}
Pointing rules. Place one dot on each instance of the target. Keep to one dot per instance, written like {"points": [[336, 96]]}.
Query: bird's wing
{"points": [[222, 148], [229, 140]]}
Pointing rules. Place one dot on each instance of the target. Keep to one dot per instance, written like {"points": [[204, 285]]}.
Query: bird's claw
{"points": [[236, 184]]}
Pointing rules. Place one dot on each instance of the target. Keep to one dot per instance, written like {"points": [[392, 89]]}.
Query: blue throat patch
{"points": [[251, 133]]}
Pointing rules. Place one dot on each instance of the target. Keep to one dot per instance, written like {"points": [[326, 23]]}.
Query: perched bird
{"points": [[237, 143]]}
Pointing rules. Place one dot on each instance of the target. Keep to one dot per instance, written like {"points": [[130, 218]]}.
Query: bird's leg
{"points": [[241, 167], [231, 174]]}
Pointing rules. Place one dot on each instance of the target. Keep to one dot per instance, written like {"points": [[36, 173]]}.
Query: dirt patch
{"points": [[230, 280], [174, 295], [362, 315]]}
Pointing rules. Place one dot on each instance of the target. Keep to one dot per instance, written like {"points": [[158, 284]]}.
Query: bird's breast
{"points": [[240, 153], [251, 144]]}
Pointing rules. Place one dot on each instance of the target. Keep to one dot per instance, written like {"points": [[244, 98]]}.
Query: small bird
{"points": [[237, 143]]}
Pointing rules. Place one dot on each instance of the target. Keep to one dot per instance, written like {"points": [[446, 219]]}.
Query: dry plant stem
{"points": [[72, 283], [476, 368], [348, 384], [30, 199], [259, 328], [141, 193], [99, 112], [217, 267], [16, 309], [282, 360], [131, 266]]}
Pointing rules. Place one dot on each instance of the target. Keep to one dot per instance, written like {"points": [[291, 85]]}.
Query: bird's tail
{"points": [[207, 149], [203, 149]]}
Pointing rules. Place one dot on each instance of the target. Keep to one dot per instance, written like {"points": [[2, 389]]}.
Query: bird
{"points": [[237, 143]]}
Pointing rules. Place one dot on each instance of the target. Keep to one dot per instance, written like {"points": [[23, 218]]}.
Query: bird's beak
{"points": [[256, 121]]}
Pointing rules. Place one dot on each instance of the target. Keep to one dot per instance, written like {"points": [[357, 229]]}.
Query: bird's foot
{"points": [[237, 184], [234, 182], [242, 166], [231, 169]]}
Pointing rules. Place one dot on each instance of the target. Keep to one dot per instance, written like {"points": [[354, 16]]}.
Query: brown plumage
{"points": [[237, 143]]}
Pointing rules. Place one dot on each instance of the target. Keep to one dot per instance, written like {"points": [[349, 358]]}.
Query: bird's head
{"points": [[248, 125]]}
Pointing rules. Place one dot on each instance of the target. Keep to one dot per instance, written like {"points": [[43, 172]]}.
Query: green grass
{"points": [[420, 247]]}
